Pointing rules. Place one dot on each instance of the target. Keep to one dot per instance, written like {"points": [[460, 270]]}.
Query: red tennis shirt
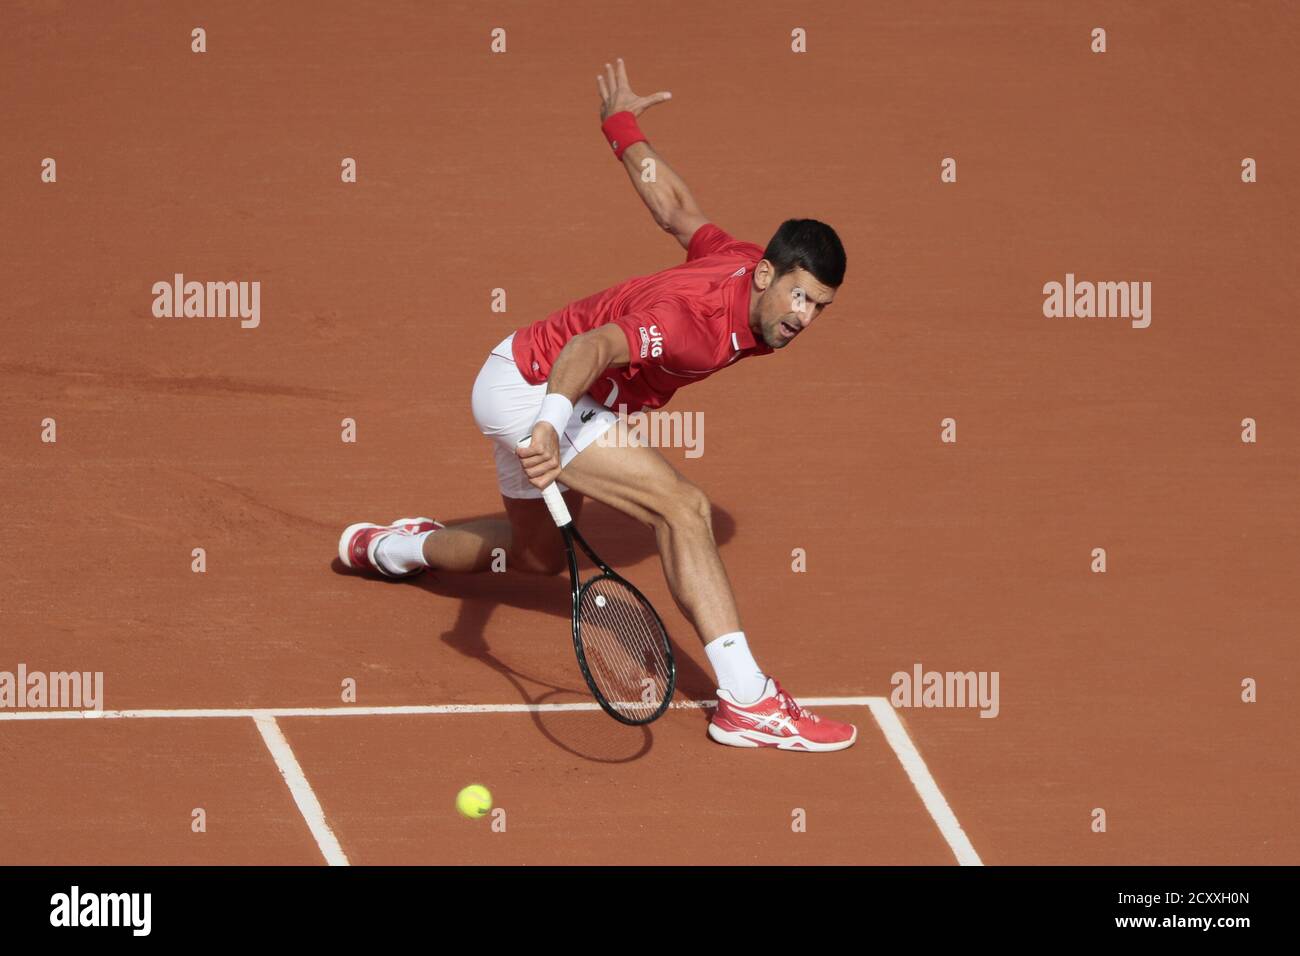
{"points": [[682, 324]]}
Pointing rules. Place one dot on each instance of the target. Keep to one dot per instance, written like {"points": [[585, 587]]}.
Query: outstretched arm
{"points": [[665, 194]]}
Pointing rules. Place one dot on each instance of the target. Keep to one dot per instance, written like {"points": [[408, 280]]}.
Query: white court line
{"points": [[416, 709], [919, 774], [303, 795], [883, 712]]}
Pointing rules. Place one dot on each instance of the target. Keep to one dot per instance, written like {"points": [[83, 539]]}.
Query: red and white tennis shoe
{"points": [[775, 720], [358, 542]]}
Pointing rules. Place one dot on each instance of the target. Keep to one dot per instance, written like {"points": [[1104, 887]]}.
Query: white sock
{"points": [[734, 666], [402, 553]]}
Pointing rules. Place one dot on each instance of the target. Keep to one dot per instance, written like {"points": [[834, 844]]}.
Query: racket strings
{"points": [[625, 648], [631, 647]]}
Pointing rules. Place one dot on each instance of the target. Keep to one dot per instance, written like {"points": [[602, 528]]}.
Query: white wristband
{"points": [[556, 411]]}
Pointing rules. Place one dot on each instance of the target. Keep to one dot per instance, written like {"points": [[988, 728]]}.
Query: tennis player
{"points": [[560, 380]]}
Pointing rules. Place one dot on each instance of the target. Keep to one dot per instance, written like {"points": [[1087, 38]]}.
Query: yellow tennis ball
{"points": [[474, 801]]}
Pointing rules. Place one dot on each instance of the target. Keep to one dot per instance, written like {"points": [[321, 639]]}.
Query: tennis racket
{"points": [[621, 643]]}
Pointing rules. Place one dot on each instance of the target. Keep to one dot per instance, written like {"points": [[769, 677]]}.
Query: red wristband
{"points": [[621, 131]]}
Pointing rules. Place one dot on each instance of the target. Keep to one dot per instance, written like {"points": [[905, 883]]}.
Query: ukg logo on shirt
{"points": [[652, 342]]}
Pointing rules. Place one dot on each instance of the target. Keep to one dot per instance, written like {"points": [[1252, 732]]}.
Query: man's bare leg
{"points": [[640, 482], [526, 535], [752, 710]]}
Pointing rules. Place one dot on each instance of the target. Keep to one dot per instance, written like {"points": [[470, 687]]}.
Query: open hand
{"points": [[616, 95]]}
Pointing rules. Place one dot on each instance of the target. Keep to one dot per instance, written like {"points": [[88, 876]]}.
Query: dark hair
{"points": [[811, 245]]}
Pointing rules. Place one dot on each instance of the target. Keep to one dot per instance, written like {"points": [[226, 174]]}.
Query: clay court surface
{"points": [[478, 171]]}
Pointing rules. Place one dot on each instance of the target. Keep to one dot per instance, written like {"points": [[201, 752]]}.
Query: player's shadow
{"points": [[622, 542]]}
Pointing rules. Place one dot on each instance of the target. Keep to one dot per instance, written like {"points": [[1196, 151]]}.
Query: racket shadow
{"points": [[589, 735]]}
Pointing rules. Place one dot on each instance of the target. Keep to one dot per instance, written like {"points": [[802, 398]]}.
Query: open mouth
{"points": [[788, 331]]}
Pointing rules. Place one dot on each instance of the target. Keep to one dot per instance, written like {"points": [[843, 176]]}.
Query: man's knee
{"points": [[684, 505]]}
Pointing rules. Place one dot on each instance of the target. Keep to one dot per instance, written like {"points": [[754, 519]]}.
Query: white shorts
{"points": [[506, 408]]}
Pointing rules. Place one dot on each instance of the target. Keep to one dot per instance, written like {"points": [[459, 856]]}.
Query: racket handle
{"points": [[551, 495]]}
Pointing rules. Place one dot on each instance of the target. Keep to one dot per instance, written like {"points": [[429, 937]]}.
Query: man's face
{"points": [[786, 304]]}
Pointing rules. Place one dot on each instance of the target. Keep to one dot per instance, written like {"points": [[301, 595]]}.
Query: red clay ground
{"points": [[477, 172]]}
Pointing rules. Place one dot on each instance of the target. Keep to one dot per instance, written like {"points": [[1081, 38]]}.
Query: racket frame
{"points": [[564, 521], [577, 587]]}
